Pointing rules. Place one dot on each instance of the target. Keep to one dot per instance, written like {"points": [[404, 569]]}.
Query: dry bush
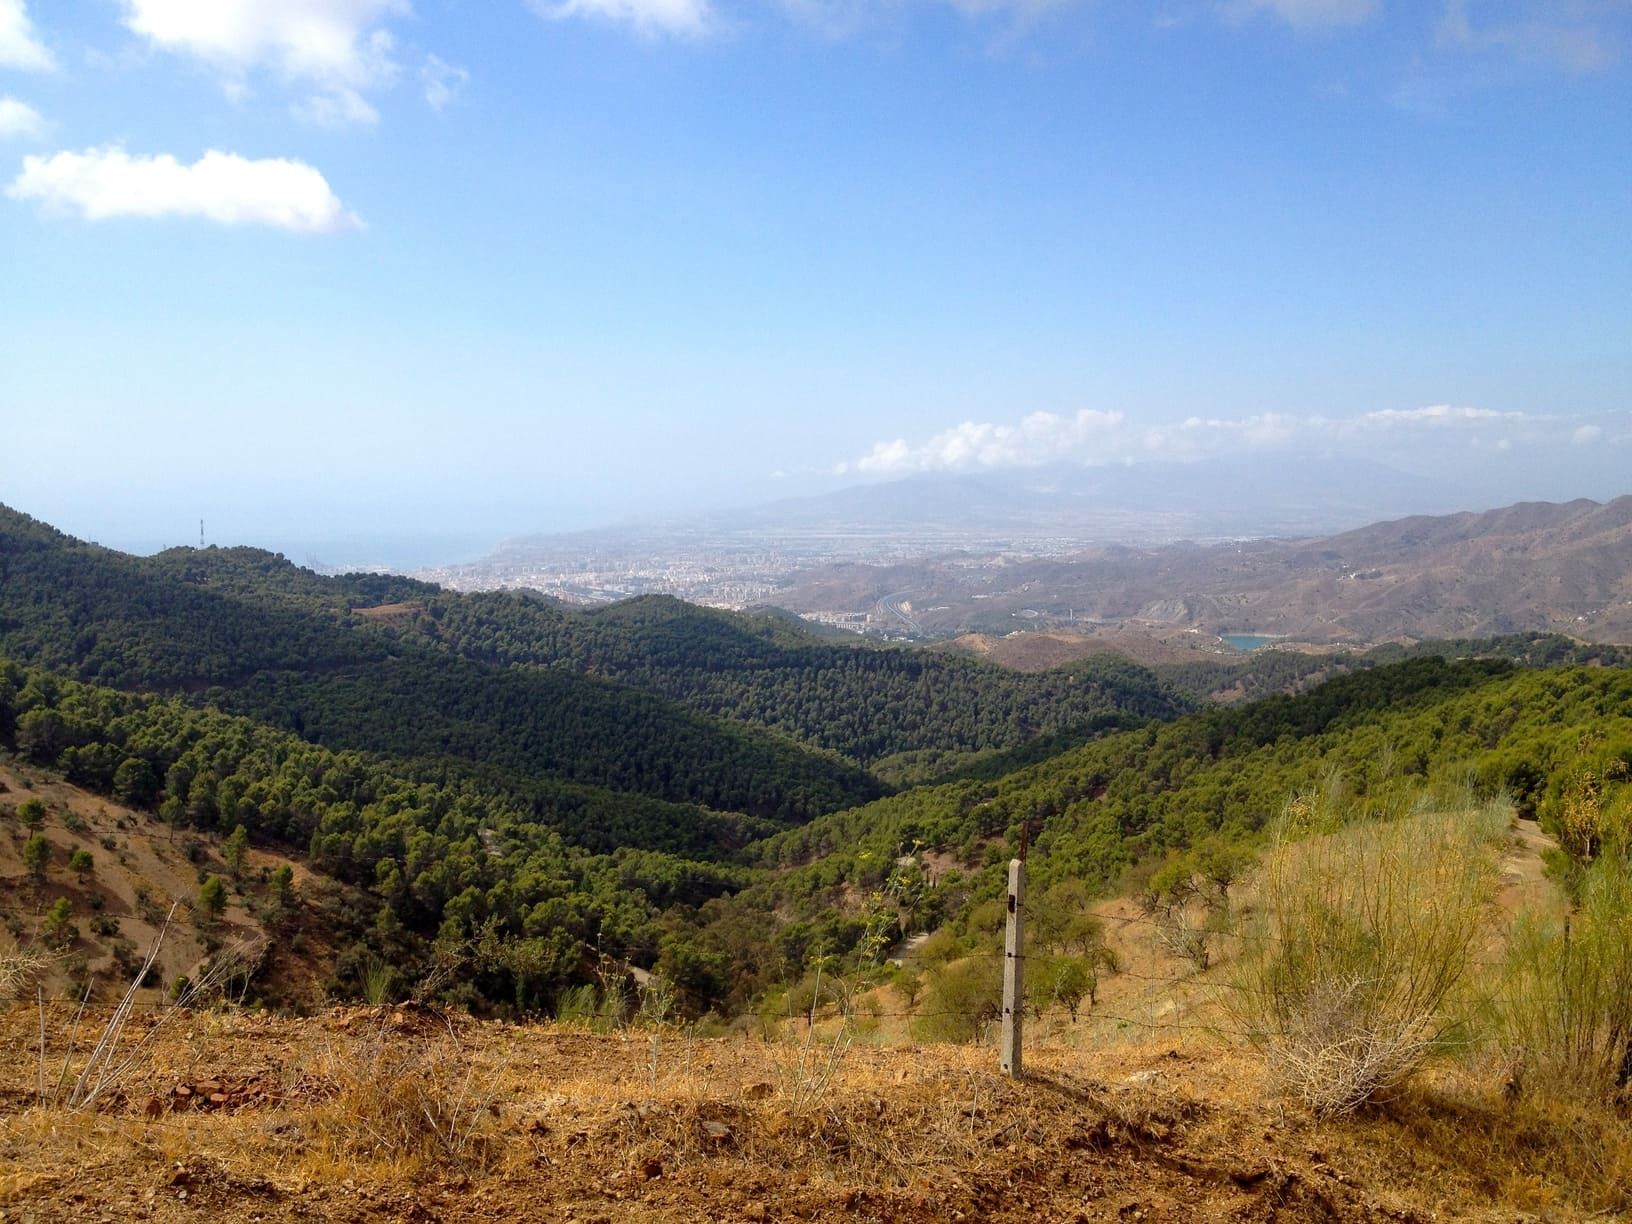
{"points": [[807, 1064], [419, 1098], [1362, 940], [20, 968]]}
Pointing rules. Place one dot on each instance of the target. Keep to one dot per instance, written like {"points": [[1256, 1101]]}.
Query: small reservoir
{"points": [[1246, 641]]}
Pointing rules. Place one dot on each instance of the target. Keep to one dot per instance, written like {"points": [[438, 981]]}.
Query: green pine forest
{"points": [[539, 792]]}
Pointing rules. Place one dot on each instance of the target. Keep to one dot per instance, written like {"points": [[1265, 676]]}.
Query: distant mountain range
{"points": [[1529, 567], [1047, 507], [1315, 549], [1132, 503]]}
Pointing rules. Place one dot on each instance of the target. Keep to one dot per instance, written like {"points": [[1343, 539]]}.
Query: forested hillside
{"points": [[1214, 780], [311, 652], [254, 635], [455, 859], [547, 793], [466, 862]]}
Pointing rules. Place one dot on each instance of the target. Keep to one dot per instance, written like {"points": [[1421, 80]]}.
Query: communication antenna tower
{"points": [[201, 535]]}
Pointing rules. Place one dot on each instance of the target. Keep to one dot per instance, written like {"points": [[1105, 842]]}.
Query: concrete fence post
{"points": [[1014, 971]]}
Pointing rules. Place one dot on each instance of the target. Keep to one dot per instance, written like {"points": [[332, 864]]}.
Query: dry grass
{"points": [[381, 1119], [412, 1099], [1458, 1132], [1350, 978]]}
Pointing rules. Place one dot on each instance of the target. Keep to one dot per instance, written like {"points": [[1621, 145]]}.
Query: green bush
{"points": [[57, 929], [962, 1000], [212, 899], [37, 857]]}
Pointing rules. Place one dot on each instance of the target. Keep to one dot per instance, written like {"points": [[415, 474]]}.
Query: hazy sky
{"points": [[330, 269]]}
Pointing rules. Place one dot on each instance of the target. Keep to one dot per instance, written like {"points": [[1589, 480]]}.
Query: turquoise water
{"points": [[1246, 641]]}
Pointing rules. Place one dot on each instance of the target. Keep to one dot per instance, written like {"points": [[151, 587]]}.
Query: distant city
{"points": [[742, 570]]}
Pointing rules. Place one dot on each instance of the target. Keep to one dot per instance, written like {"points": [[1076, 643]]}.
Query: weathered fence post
{"points": [[1014, 976]]}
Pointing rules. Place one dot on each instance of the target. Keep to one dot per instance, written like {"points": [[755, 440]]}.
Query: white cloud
{"points": [[685, 18], [337, 48], [1040, 437], [101, 184], [1308, 14], [1436, 414], [442, 81], [1096, 437], [19, 120], [1574, 35], [19, 47], [336, 109], [1586, 435]]}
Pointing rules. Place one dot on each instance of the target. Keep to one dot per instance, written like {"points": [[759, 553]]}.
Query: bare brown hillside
{"points": [[139, 869], [1530, 567], [1143, 643]]}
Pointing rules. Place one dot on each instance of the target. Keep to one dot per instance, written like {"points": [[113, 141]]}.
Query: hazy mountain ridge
{"points": [[1139, 502], [1143, 503], [1530, 567]]}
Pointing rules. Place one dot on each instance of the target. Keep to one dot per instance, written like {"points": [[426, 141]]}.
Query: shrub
{"points": [[1563, 1009], [1064, 981], [146, 907], [212, 899], [37, 857], [939, 949], [1363, 939], [962, 1000], [597, 1008], [57, 928], [908, 982], [375, 978]]}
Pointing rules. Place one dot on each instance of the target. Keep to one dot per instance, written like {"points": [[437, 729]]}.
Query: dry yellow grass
{"points": [[556, 1124]]}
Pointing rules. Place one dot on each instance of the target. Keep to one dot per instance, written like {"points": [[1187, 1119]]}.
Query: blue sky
{"points": [[323, 270]]}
